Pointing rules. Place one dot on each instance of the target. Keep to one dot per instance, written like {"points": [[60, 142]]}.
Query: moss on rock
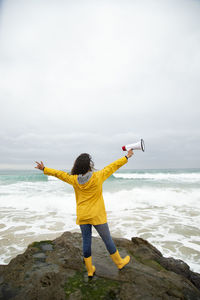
{"points": [[94, 289], [153, 264], [41, 243]]}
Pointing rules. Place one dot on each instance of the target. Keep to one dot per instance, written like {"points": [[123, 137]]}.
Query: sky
{"points": [[92, 76]]}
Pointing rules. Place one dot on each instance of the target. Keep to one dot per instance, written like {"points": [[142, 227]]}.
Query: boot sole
{"points": [[90, 277]]}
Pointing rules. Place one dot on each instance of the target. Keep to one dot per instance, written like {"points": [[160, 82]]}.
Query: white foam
{"points": [[42, 202], [166, 231], [52, 178], [184, 177], [167, 217], [147, 197]]}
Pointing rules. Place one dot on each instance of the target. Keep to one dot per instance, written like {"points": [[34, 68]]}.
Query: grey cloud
{"points": [[92, 76], [163, 149]]}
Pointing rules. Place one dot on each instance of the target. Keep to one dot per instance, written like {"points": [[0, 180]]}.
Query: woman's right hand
{"points": [[40, 165], [130, 153]]}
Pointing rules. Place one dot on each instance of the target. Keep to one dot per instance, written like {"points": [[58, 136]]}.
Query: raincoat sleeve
{"points": [[111, 168], [64, 176]]}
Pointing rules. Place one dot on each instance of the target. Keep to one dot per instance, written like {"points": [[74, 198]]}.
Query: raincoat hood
{"points": [[84, 178]]}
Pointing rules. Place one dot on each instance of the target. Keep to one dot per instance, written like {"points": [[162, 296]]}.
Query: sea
{"points": [[161, 206]]}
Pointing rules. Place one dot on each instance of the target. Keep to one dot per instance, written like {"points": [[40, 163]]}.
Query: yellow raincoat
{"points": [[90, 207]]}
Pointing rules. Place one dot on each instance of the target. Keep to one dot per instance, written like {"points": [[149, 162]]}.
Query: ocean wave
{"points": [[181, 177], [150, 197], [6, 179], [166, 214], [192, 177], [60, 197]]}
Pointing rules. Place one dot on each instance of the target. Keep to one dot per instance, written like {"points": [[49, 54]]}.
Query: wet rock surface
{"points": [[55, 270]]}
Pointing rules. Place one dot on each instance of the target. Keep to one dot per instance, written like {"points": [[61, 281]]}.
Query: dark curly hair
{"points": [[82, 164]]}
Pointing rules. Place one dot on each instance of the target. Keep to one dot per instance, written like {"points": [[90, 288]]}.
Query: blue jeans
{"points": [[104, 233]]}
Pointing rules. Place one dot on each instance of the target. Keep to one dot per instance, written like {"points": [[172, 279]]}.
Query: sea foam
{"points": [[162, 207]]}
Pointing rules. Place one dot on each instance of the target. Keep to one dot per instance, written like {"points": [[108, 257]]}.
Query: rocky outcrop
{"points": [[50, 270]]}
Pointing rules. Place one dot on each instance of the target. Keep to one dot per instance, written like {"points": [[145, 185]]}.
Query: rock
{"points": [[51, 270]]}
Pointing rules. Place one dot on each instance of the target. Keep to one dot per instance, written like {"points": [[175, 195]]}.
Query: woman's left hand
{"points": [[130, 153], [39, 166]]}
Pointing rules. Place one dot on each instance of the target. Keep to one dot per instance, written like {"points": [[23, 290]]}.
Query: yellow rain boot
{"points": [[90, 268], [120, 262]]}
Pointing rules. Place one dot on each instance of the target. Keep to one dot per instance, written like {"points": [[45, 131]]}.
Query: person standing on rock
{"points": [[90, 206]]}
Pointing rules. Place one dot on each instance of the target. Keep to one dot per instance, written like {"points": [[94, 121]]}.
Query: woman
{"points": [[90, 207]]}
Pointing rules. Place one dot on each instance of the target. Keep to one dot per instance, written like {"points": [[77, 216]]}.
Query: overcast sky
{"points": [[90, 76]]}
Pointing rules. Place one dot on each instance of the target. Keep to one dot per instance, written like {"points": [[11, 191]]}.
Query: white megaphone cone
{"points": [[136, 146]]}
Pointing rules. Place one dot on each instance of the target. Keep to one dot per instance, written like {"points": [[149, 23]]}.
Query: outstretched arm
{"points": [[64, 176], [113, 167]]}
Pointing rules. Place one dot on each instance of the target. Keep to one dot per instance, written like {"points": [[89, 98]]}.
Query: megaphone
{"points": [[136, 146]]}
